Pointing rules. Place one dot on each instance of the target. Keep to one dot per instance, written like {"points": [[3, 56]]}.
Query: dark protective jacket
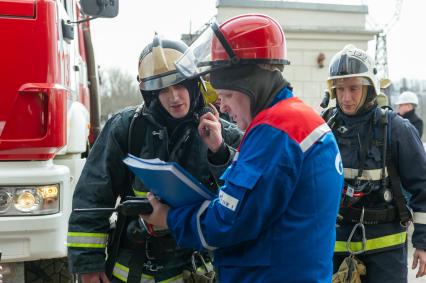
{"points": [[105, 177], [415, 120], [366, 131]]}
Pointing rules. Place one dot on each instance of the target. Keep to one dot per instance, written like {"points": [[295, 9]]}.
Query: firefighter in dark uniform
{"points": [[380, 152], [165, 127]]}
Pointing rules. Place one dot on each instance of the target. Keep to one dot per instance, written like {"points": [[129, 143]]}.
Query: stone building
{"points": [[314, 33]]}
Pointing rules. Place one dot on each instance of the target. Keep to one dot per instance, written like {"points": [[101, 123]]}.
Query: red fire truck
{"points": [[48, 118]]}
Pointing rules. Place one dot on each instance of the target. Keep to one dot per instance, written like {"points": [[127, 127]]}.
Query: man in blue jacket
{"points": [[274, 217]]}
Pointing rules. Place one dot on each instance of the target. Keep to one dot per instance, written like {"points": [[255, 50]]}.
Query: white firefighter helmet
{"points": [[352, 62], [407, 97]]}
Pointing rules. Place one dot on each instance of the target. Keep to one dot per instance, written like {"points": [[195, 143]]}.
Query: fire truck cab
{"points": [[48, 117]]}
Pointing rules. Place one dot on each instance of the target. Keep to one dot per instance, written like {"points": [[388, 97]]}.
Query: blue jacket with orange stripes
{"points": [[274, 219]]}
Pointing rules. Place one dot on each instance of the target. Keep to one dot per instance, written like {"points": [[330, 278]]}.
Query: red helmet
{"points": [[251, 37], [244, 39]]}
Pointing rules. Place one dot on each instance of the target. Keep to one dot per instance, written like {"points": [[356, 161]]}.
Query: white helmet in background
{"points": [[408, 97]]}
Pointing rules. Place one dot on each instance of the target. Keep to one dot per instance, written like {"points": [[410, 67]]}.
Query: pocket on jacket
{"points": [[240, 180]]}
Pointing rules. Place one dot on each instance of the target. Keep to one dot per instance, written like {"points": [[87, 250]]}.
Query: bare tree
{"points": [[119, 90]]}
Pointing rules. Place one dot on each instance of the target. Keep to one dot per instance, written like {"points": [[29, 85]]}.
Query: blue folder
{"points": [[171, 183]]}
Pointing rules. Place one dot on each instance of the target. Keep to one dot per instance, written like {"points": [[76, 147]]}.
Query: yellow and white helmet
{"points": [[156, 66], [157, 70], [353, 62]]}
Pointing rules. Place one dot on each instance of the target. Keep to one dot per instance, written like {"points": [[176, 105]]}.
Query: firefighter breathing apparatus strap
{"points": [[115, 238], [364, 146], [403, 211], [134, 146], [138, 257], [329, 116]]}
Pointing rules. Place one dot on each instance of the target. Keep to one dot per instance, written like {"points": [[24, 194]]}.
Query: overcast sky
{"points": [[119, 41]]}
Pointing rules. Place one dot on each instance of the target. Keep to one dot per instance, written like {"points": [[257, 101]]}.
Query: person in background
{"points": [[274, 218], [380, 152], [164, 127], [407, 103]]}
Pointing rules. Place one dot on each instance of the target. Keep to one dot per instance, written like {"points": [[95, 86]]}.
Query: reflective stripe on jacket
{"points": [[87, 240], [378, 243]]}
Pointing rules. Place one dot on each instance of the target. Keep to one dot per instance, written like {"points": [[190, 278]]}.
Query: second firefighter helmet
{"points": [[157, 71], [156, 68], [353, 62], [243, 39]]}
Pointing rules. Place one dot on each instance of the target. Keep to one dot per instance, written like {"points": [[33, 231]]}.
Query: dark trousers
{"points": [[388, 266]]}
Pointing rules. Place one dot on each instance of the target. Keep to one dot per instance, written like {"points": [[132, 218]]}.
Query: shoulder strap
{"points": [[329, 116], [364, 146], [383, 120], [327, 113], [115, 238], [403, 212], [134, 146]]}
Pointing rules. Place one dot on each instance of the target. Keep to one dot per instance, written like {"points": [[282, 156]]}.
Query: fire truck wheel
{"points": [[48, 270]]}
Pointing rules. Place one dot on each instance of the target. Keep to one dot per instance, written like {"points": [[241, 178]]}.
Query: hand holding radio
{"points": [[210, 129]]}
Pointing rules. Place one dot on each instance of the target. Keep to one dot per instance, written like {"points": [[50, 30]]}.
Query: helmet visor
{"points": [[347, 65], [197, 60], [161, 81], [349, 81], [156, 67]]}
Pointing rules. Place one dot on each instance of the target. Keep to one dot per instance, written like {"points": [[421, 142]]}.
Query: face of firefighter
{"points": [[175, 99], [350, 94], [404, 108], [237, 105]]}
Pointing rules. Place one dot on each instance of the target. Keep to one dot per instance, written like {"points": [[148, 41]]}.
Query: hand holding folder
{"points": [[168, 181]]}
